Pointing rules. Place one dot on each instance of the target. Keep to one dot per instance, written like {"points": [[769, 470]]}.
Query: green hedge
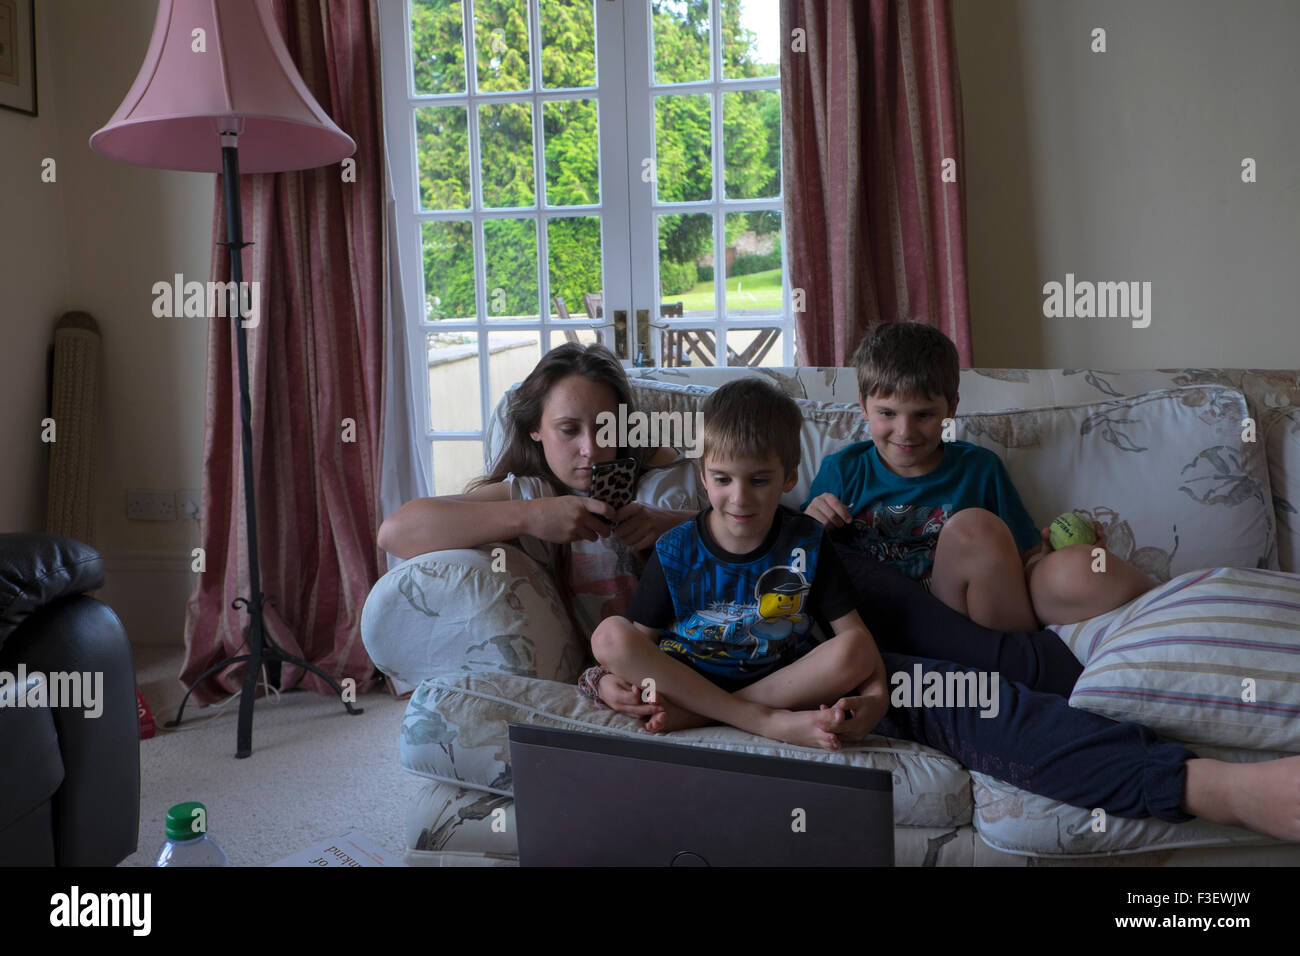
{"points": [[748, 265], [677, 277]]}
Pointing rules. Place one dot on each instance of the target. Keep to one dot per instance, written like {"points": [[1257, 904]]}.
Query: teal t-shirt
{"points": [[897, 520]]}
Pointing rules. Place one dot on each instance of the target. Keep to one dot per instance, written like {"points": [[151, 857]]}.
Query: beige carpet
{"points": [[315, 771]]}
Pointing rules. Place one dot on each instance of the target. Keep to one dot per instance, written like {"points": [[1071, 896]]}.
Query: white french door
{"points": [[579, 170]]}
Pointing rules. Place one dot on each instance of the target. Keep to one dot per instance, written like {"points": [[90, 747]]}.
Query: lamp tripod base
{"points": [[263, 652]]}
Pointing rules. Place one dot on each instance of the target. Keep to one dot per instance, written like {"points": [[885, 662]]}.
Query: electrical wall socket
{"points": [[145, 505], [188, 503]]}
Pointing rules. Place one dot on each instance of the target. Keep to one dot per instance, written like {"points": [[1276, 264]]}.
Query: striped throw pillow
{"points": [[1209, 657]]}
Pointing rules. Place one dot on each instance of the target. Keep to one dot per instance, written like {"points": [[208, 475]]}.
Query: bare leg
{"points": [[624, 650], [823, 675], [978, 572], [1064, 587], [1264, 797], [674, 717]]}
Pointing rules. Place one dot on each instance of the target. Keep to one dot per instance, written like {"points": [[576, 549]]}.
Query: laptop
{"points": [[584, 799]]}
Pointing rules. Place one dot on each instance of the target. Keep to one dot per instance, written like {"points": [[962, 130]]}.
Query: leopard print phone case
{"points": [[614, 482]]}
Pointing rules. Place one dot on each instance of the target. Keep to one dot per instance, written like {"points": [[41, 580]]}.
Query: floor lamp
{"points": [[217, 91]]}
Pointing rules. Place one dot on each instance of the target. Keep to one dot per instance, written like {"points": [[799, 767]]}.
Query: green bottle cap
{"points": [[187, 821]]}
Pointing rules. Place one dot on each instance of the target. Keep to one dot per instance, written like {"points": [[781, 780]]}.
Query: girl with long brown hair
{"points": [[539, 488]]}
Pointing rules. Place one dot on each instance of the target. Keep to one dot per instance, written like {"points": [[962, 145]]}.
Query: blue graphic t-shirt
{"points": [[897, 520], [733, 615]]}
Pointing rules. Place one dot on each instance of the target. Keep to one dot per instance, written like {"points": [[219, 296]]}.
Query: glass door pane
{"points": [[519, 157], [704, 132]]}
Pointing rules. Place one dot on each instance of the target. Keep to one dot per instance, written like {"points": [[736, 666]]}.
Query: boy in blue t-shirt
{"points": [[721, 620], [946, 513]]}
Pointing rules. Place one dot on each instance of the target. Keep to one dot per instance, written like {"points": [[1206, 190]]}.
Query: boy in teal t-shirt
{"points": [[898, 519], [946, 513]]}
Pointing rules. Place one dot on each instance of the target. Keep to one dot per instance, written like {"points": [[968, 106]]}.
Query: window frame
{"points": [[622, 41]]}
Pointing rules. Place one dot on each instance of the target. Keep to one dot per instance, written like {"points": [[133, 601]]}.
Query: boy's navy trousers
{"points": [[1036, 741]]}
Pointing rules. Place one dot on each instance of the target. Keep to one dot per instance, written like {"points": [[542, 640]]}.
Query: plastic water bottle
{"points": [[188, 843]]}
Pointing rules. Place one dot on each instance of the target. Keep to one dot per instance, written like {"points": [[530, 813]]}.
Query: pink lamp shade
{"points": [[245, 81]]}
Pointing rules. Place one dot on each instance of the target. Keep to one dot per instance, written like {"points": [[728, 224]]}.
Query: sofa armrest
{"points": [[491, 609], [97, 808], [37, 569]]}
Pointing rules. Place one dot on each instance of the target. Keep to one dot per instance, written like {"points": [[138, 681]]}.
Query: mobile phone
{"points": [[614, 482]]}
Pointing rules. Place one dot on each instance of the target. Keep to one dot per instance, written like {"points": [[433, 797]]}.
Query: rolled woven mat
{"points": [[74, 406]]}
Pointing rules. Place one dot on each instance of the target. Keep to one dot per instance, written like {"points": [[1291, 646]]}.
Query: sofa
{"points": [[69, 776], [1192, 473]]}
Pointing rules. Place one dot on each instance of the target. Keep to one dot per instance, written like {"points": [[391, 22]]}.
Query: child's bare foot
{"points": [[673, 717], [832, 719], [802, 727], [1264, 797]]}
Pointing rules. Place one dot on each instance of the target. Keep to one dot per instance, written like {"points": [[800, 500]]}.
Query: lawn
{"points": [[759, 291]]}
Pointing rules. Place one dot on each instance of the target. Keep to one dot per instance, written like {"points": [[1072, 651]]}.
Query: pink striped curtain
{"points": [[315, 362], [871, 108]]}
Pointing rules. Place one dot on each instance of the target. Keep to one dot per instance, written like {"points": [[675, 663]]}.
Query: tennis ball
{"points": [[1071, 528]]}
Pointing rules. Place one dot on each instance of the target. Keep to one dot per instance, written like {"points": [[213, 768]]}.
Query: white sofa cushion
{"points": [[1179, 658], [470, 610], [453, 826], [1282, 444], [1016, 821], [1165, 473], [455, 731]]}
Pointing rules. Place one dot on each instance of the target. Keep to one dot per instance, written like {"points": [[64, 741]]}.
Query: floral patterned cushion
{"points": [[1282, 444], [492, 609], [455, 731], [1165, 473], [1016, 821], [453, 826]]}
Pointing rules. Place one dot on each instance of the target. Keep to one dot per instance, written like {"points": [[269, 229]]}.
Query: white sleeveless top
{"points": [[603, 574]]}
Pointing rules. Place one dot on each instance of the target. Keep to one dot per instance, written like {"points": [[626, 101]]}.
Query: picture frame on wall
{"points": [[18, 56]]}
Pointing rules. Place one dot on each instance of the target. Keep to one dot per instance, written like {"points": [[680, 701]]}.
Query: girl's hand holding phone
{"points": [[569, 518], [639, 525]]}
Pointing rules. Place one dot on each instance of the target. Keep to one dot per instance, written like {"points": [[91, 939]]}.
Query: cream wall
{"points": [[99, 238], [129, 227], [1126, 165], [34, 289]]}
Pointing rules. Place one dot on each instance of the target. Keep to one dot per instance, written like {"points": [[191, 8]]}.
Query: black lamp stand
{"points": [[261, 649]]}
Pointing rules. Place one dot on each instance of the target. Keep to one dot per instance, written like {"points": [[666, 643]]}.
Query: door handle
{"points": [[620, 334]]}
